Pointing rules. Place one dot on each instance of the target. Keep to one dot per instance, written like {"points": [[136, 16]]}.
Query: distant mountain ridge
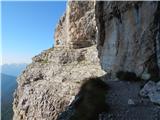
{"points": [[8, 86], [13, 69], [9, 73]]}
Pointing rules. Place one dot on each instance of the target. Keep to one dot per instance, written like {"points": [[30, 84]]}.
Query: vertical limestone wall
{"points": [[77, 28], [128, 37]]}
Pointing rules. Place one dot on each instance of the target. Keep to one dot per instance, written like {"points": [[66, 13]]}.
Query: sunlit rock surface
{"points": [[77, 28], [52, 80]]}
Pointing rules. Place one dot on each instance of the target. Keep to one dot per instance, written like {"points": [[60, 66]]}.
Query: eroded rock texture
{"points": [[77, 28], [52, 80], [129, 37]]}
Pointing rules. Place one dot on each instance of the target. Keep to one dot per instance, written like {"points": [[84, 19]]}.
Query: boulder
{"points": [[151, 90]]}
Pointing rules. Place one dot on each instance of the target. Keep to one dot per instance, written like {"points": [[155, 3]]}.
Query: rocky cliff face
{"points": [[53, 79], [49, 84], [127, 35], [77, 28]]}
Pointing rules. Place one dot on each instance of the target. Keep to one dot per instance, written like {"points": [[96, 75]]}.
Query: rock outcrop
{"points": [[77, 28], [52, 80], [151, 90], [129, 37]]}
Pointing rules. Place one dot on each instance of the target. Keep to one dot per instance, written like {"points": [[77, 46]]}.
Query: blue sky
{"points": [[28, 28]]}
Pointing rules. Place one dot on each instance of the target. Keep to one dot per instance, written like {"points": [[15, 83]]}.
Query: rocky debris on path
{"points": [[117, 97], [131, 102]]}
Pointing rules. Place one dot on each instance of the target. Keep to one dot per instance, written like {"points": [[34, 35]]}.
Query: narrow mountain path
{"points": [[126, 104]]}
